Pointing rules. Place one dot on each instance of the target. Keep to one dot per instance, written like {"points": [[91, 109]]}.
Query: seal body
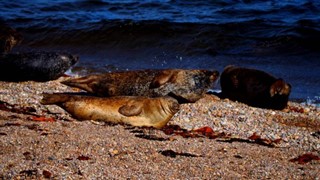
{"points": [[184, 85], [132, 110], [9, 38], [254, 87], [36, 66]]}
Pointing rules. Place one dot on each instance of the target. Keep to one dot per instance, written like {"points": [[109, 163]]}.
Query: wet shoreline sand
{"points": [[45, 142]]}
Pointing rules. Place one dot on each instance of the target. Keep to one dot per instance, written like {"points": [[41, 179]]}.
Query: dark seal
{"points": [[35, 66], [254, 87], [184, 85]]}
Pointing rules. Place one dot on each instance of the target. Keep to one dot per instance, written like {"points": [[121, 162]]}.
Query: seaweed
{"points": [[173, 154], [305, 158], [4, 106], [83, 158]]}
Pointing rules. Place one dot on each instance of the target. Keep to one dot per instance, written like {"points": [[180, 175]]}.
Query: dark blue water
{"points": [[280, 37]]}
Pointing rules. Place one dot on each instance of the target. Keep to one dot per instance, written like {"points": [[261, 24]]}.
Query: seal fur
{"points": [[184, 85], [254, 87], [132, 110], [35, 66]]}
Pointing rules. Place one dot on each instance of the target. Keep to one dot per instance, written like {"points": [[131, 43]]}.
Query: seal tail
{"points": [[54, 98]]}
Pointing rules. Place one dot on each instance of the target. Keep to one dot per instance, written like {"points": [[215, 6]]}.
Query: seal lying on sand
{"points": [[8, 38], [133, 110], [184, 85], [36, 66], [254, 87]]}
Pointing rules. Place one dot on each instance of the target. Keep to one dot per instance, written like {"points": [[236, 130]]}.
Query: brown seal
{"points": [[9, 38], [133, 110], [184, 85], [254, 87]]}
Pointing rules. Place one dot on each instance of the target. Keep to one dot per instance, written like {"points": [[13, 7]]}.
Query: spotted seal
{"points": [[35, 66], [132, 110], [254, 87], [184, 85]]}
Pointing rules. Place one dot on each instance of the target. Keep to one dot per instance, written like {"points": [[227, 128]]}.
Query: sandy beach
{"points": [[234, 141]]}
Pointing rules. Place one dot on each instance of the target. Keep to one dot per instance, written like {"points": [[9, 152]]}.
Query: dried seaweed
{"points": [[10, 124], [3, 134], [316, 134], [196, 133], [263, 141], [4, 106], [151, 137], [305, 158], [173, 154], [29, 173], [83, 158], [46, 174], [296, 109], [42, 119], [28, 156], [207, 132], [255, 139]]}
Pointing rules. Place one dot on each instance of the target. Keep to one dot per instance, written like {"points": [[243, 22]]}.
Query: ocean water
{"points": [[280, 37]]}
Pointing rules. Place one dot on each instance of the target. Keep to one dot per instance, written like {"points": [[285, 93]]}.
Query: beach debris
{"points": [[83, 158], [207, 132], [196, 133], [46, 174], [305, 158], [43, 119], [4, 106], [173, 154]]}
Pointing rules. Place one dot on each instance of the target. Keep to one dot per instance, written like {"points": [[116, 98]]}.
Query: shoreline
{"points": [[45, 142]]}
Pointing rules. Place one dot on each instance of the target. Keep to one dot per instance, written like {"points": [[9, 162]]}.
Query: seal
{"points": [[132, 110], [9, 38], [254, 87], [184, 85], [35, 66]]}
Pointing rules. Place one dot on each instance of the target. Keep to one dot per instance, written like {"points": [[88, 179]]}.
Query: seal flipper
{"points": [[163, 77], [130, 110], [56, 98]]}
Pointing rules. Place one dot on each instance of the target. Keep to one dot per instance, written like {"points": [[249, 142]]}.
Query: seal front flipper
{"points": [[130, 110], [163, 77]]}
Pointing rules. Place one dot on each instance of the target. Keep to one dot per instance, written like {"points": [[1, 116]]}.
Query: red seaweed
{"points": [[46, 174], [305, 158], [43, 119]]}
